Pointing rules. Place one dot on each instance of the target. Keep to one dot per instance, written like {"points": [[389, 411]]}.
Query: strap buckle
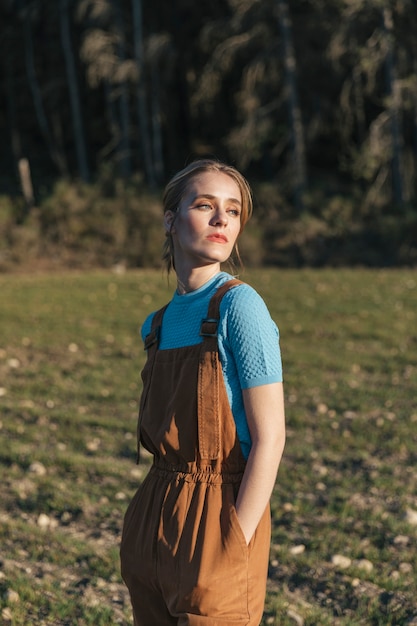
{"points": [[209, 327]]}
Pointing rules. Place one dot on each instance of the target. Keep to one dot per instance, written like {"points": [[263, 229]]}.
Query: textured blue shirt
{"points": [[248, 340]]}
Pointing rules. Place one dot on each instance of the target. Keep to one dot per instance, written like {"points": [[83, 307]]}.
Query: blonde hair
{"points": [[177, 187]]}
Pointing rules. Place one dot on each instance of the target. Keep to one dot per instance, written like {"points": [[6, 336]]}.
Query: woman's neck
{"points": [[196, 278]]}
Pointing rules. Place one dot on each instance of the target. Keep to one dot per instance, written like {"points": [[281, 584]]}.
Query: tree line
{"points": [[312, 97]]}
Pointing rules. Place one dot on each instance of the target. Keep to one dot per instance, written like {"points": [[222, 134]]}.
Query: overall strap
{"points": [[209, 373], [152, 338], [151, 344]]}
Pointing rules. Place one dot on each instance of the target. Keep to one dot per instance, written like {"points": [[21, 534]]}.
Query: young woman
{"points": [[196, 535]]}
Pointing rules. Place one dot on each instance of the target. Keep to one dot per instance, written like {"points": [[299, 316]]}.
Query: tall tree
{"points": [[294, 109], [143, 117], [77, 119], [99, 53], [11, 108], [58, 157], [159, 51], [124, 150], [368, 116], [394, 99]]}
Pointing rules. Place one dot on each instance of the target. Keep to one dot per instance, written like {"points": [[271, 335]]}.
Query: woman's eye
{"points": [[203, 205], [234, 212]]}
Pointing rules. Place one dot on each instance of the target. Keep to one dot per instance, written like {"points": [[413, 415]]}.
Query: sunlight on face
{"points": [[207, 224]]}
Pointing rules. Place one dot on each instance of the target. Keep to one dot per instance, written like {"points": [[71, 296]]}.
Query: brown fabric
{"points": [[184, 557]]}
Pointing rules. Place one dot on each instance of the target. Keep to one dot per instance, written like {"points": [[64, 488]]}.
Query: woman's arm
{"points": [[264, 407]]}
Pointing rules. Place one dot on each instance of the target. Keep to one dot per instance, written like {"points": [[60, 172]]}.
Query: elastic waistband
{"points": [[198, 476]]}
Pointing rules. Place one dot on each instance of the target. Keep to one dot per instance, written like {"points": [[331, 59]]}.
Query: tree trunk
{"points": [[294, 110], [111, 114], [21, 164], [26, 183], [15, 141], [141, 93], [415, 126], [414, 66], [80, 145], [56, 155], [394, 105], [124, 153], [158, 156]]}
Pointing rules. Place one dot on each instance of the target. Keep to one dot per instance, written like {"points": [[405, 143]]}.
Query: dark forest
{"points": [[103, 100]]}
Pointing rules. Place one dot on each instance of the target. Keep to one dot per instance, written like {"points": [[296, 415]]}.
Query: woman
{"points": [[196, 535]]}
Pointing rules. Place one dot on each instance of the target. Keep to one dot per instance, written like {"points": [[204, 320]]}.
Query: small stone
{"points": [[401, 540], [341, 561], [27, 404], [94, 444], [405, 568], [66, 517], [411, 517], [136, 472], [13, 363], [298, 619], [299, 549], [7, 615], [12, 596], [44, 521], [365, 565], [37, 468]]}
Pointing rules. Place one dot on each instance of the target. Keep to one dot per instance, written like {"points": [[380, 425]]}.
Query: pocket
{"points": [[237, 529]]}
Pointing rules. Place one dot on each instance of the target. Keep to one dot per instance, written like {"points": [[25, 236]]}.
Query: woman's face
{"points": [[207, 223]]}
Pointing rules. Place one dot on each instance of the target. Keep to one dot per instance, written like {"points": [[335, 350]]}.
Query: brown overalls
{"points": [[184, 556]]}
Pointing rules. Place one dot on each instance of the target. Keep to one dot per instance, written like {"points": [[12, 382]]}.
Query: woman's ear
{"points": [[169, 219]]}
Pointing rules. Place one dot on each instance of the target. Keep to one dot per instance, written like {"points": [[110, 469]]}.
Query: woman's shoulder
{"points": [[245, 314], [147, 324], [242, 297]]}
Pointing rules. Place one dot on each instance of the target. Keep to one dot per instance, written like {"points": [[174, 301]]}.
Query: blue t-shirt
{"points": [[248, 340]]}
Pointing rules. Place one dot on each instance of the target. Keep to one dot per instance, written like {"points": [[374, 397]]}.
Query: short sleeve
{"points": [[252, 337]]}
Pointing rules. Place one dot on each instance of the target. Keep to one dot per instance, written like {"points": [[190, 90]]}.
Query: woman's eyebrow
{"points": [[209, 196]]}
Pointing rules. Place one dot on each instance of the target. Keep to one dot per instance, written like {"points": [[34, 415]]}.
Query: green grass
{"points": [[70, 360]]}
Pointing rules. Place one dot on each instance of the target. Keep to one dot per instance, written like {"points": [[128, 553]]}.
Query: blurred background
{"points": [[101, 101]]}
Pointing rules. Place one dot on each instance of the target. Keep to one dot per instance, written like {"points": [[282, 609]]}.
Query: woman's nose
{"points": [[220, 217]]}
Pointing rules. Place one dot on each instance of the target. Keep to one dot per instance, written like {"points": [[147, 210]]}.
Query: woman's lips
{"points": [[218, 238]]}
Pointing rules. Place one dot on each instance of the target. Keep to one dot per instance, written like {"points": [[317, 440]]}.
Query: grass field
{"points": [[345, 504]]}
